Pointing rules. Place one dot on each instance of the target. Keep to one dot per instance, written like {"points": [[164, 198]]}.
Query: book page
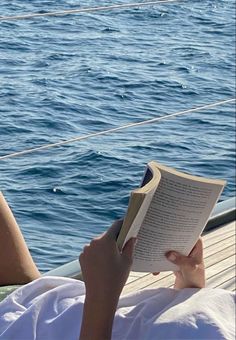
{"points": [[139, 203], [177, 215]]}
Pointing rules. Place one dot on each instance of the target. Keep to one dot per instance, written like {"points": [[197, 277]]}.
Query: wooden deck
{"points": [[219, 255]]}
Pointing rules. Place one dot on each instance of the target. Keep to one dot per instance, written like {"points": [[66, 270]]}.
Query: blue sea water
{"points": [[62, 77]]}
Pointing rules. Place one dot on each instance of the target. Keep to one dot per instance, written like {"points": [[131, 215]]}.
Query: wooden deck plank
{"points": [[220, 278], [229, 283], [215, 247], [220, 266], [219, 255], [132, 278], [218, 234]]}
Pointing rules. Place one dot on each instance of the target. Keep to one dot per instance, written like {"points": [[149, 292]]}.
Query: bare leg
{"points": [[16, 263]]}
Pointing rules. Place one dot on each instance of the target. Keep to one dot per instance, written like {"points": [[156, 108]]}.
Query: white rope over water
{"points": [[119, 128], [84, 10]]}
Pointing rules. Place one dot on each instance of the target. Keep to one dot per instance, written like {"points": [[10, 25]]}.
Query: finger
{"points": [[114, 230], [197, 251], [181, 260], [128, 249], [83, 254]]}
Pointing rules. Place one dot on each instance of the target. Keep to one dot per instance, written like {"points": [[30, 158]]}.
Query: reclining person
{"points": [[62, 308]]}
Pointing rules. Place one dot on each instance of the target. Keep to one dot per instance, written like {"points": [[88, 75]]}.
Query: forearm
{"points": [[97, 319], [105, 270]]}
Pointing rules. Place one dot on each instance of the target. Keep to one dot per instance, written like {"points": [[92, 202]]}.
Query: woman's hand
{"points": [[105, 270], [191, 272]]}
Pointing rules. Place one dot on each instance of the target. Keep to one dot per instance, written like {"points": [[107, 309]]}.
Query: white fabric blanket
{"points": [[51, 308]]}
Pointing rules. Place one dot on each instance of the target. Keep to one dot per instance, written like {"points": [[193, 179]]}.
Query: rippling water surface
{"points": [[62, 77]]}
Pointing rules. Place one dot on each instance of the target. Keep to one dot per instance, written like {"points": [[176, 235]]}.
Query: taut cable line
{"points": [[119, 128], [84, 10]]}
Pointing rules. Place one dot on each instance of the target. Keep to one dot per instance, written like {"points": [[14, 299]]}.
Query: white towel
{"points": [[51, 308]]}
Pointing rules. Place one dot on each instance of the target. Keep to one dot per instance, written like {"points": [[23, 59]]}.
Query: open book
{"points": [[168, 212]]}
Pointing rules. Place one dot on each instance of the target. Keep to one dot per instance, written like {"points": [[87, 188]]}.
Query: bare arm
{"points": [[16, 263], [105, 270], [97, 320]]}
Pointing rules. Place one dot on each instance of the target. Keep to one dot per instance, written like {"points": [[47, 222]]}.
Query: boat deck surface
{"points": [[219, 255]]}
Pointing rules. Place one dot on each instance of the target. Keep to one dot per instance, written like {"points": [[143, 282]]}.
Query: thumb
{"points": [[114, 230], [177, 258], [128, 249]]}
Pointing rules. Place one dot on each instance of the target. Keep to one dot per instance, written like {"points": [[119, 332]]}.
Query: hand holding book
{"points": [[168, 212]]}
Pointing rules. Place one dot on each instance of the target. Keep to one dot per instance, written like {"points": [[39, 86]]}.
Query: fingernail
{"points": [[172, 257]]}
